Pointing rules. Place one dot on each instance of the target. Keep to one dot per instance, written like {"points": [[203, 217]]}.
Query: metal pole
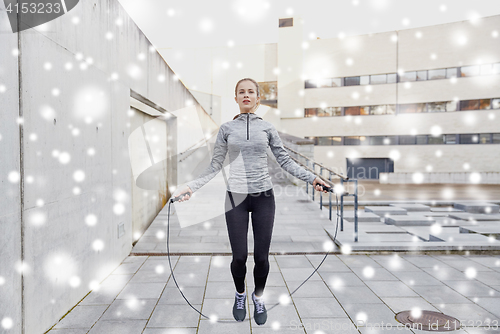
{"points": [[342, 206], [355, 210], [314, 169], [307, 184], [330, 197], [321, 193]]}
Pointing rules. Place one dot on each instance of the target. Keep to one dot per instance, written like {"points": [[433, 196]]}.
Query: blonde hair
{"points": [[257, 105]]}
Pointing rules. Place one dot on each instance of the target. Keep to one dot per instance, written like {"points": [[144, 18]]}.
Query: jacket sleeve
{"points": [[284, 159], [220, 151]]}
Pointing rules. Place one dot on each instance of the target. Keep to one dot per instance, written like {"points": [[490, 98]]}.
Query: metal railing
{"points": [[344, 193]]}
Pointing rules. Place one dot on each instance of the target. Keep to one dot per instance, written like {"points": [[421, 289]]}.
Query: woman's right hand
{"points": [[186, 197]]}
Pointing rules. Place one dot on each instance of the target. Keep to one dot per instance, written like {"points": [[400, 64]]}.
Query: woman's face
{"points": [[246, 96]]}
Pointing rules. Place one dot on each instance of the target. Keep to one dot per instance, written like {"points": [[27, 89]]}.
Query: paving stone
{"points": [[119, 327], [400, 304], [477, 207], [445, 209], [135, 309], [468, 314], [82, 317], [326, 326], [318, 307], [435, 294], [173, 316]]}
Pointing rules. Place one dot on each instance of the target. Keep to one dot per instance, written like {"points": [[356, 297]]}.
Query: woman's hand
{"points": [[186, 197], [318, 181]]}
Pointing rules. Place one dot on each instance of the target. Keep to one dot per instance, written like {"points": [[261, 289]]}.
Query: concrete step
{"points": [[363, 217], [474, 216], [409, 220], [477, 207], [482, 229], [385, 210], [445, 209], [412, 207]]}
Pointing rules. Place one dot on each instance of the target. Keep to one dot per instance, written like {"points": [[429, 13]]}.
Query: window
{"points": [[315, 139], [437, 74], [450, 139], [407, 140], [336, 82], [411, 108], [485, 104], [495, 104], [310, 84], [421, 139], [451, 106], [378, 79], [469, 71], [451, 72], [421, 75], [436, 106], [324, 141], [376, 140], [336, 140], [352, 140], [392, 78], [469, 105], [486, 69], [408, 76], [288, 22], [378, 110], [363, 140], [364, 110], [336, 111], [351, 81], [309, 112], [320, 83], [469, 138], [324, 112], [364, 80], [390, 140], [485, 138], [391, 109], [351, 111], [495, 138], [435, 140], [496, 68]]}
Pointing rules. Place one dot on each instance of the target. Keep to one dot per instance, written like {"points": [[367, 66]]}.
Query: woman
{"points": [[250, 190]]}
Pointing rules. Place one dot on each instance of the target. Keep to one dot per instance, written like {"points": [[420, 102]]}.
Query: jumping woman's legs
{"points": [[263, 210], [237, 228]]}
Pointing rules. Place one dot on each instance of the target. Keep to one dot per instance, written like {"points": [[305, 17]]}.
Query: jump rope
{"points": [[175, 199]]}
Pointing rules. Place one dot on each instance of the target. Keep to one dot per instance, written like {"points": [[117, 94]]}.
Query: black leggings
{"points": [[262, 207]]}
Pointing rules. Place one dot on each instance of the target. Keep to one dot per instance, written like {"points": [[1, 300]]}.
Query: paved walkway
{"points": [[141, 297], [356, 293]]}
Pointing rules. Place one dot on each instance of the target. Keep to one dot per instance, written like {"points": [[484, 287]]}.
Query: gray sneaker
{"points": [[239, 308], [260, 312]]}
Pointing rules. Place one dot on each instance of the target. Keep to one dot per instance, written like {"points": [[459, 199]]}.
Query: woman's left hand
{"points": [[318, 181]]}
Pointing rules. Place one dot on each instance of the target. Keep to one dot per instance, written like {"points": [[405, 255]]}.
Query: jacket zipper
{"points": [[248, 118]]}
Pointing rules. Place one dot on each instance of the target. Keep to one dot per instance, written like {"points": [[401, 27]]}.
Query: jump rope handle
{"points": [[329, 189], [175, 199]]}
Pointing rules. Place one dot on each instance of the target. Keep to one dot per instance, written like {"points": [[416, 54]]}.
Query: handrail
{"points": [[330, 183], [199, 143], [345, 178]]}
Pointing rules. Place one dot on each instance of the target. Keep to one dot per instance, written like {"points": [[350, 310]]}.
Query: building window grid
{"points": [[449, 106], [421, 75], [446, 139]]}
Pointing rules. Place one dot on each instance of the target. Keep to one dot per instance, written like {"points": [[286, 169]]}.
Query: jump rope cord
{"points": [[175, 281]]}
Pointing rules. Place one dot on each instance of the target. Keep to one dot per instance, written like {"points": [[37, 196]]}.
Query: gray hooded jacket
{"points": [[247, 138]]}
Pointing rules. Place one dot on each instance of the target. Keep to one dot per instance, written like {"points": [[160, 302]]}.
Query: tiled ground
{"points": [[140, 296]]}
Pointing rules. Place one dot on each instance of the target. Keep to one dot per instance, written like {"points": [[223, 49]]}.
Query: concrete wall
{"points": [[10, 167], [76, 181]]}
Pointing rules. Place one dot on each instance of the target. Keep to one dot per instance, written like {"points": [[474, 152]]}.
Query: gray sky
{"points": [[196, 23]]}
